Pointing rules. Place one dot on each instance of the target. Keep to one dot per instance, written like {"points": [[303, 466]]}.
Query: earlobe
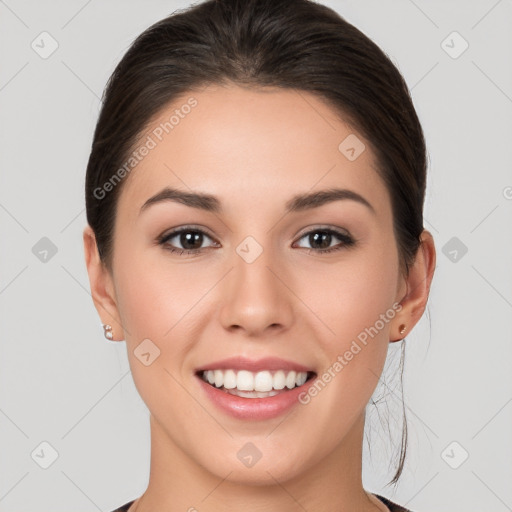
{"points": [[402, 329], [101, 285], [418, 284]]}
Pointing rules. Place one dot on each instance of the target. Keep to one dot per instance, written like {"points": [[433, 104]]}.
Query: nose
{"points": [[255, 297]]}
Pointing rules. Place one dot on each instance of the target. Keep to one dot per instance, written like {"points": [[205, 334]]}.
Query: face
{"points": [[256, 273]]}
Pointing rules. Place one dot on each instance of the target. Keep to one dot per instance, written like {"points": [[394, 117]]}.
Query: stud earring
{"points": [[401, 329], [108, 332]]}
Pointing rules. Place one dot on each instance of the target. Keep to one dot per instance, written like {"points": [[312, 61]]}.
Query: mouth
{"points": [[260, 384]]}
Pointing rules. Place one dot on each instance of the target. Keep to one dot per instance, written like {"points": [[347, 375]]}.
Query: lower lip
{"points": [[254, 408]]}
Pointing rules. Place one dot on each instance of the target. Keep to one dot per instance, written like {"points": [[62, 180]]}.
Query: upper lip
{"points": [[255, 365]]}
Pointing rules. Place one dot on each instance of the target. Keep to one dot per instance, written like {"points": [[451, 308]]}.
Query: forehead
{"points": [[251, 146]]}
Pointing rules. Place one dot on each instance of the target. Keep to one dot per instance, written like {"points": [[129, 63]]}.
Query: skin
{"points": [[254, 150]]}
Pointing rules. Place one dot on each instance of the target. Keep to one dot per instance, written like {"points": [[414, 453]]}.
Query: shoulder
{"points": [[124, 508], [393, 507]]}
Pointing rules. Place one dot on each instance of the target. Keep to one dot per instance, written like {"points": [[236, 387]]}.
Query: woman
{"points": [[255, 234]]}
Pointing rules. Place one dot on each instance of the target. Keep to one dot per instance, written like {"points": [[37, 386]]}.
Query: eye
{"points": [[321, 240], [190, 239]]}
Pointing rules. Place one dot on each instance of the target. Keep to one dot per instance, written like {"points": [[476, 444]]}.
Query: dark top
{"points": [[393, 507]]}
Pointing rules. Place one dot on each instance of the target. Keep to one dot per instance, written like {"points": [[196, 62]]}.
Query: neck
{"points": [[332, 483]]}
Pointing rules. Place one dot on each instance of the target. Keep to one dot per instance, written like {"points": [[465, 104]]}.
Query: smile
{"points": [[260, 384], [251, 404]]}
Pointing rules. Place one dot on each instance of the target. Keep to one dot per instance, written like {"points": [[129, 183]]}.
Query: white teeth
{"points": [[279, 380], [245, 381], [229, 379], [219, 378], [251, 394], [301, 378], [290, 380], [263, 381]]}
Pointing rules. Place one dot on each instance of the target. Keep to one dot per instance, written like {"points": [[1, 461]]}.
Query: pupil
{"points": [[188, 238], [325, 239]]}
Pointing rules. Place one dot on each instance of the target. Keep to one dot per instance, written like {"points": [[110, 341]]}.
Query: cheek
{"points": [[352, 296], [357, 307], [153, 302], [354, 300], [155, 296]]}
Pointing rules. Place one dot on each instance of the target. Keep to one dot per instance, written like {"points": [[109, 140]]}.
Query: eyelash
{"points": [[347, 240]]}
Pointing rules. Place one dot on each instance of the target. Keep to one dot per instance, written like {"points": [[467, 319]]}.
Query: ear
{"points": [[417, 288], [101, 284]]}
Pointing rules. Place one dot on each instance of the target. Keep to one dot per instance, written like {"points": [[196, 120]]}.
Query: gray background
{"points": [[62, 383]]}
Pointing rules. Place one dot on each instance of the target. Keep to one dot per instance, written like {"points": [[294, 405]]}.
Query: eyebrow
{"points": [[297, 203]]}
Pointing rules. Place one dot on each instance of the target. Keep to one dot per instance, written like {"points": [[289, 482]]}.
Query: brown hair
{"points": [[295, 44]]}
